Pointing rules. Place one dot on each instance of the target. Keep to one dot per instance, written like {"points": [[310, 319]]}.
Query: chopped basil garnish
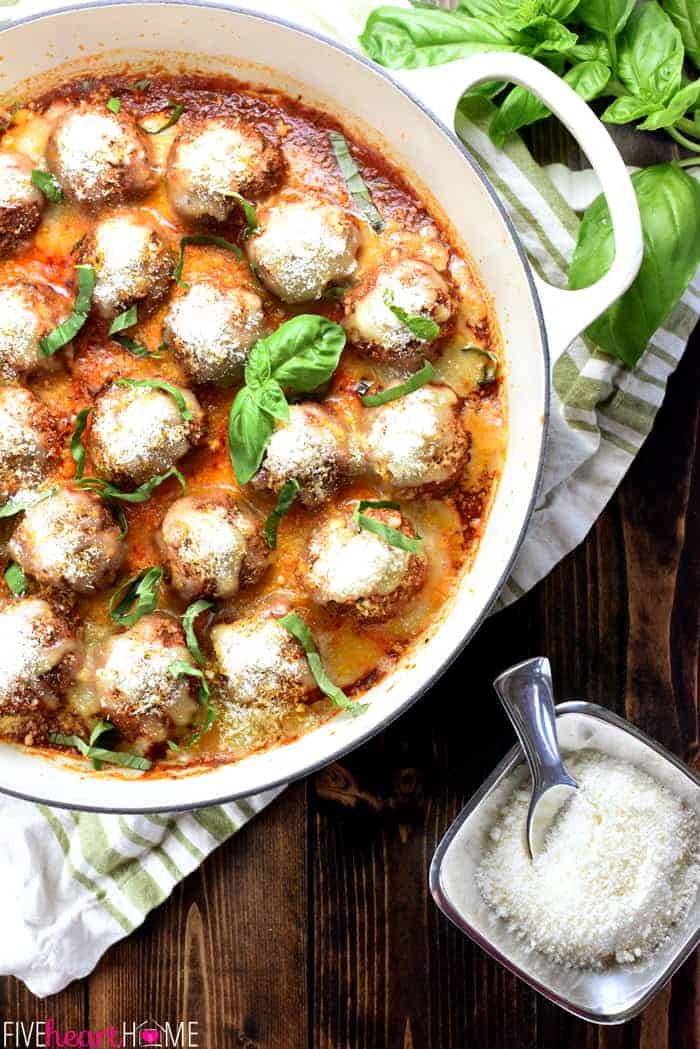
{"points": [[140, 495], [251, 215], [167, 387], [48, 184], [392, 393], [141, 85], [16, 579], [124, 320], [99, 754], [113, 105], [201, 239], [17, 506], [121, 518], [489, 369], [296, 626], [77, 449], [68, 329], [137, 349], [391, 536], [181, 666], [336, 292], [284, 505], [177, 110], [102, 728], [423, 328], [355, 182], [188, 626], [136, 597]]}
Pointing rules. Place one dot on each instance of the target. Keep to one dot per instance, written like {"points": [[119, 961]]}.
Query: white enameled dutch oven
{"points": [[537, 321]]}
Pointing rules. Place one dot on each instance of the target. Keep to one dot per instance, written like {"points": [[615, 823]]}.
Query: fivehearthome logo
{"points": [[136, 1034]]}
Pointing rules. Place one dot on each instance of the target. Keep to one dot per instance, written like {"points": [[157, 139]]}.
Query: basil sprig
{"points": [[296, 626], [136, 597], [355, 182], [142, 494], [423, 328], [489, 369], [22, 503], [166, 387], [113, 105], [99, 754], [299, 357], [77, 448], [48, 184], [391, 536], [201, 239], [392, 393], [124, 320], [177, 109], [68, 329], [188, 619], [16, 579], [288, 494]]}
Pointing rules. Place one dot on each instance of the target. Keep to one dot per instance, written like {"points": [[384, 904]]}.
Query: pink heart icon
{"points": [[150, 1036]]}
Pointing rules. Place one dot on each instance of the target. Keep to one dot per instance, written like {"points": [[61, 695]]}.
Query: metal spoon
{"points": [[526, 692]]}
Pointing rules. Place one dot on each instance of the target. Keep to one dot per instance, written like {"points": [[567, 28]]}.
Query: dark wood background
{"points": [[313, 928]]}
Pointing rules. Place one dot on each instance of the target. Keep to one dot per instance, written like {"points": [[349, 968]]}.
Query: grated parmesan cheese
{"points": [[93, 149], [16, 186], [262, 662], [19, 331], [620, 867], [30, 645], [412, 286], [350, 563]]}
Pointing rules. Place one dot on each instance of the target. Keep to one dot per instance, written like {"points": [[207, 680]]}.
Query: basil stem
{"points": [[286, 497], [136, 597], [391, 536], [423, 328], [355, 182], [77, 448], [113, 105], [296, 626], [68, 329], [98, 754], [16, 579], [48, 184], [200, 239], [489, 369], [167, 387], [124, 320], [17, 506], [188, 619], [392, 393], [140, 495], [177, 110]]}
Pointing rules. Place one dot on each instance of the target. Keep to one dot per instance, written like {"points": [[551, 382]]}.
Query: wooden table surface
{"points": [[313, 927]]}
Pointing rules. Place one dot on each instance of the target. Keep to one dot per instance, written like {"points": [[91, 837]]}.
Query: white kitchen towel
{"points": [[71, 884]]}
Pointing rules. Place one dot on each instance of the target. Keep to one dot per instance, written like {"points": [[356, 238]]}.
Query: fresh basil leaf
{"points": [[140, 495], [392, 393], [548, 35], [296, 626], [591, 47], [48, 184], [669, 205], [588, 79], [177, 110], [180, 667], [16, 579], [102, 728], [166, 387], [77, 449], [391, 536], [124, 320], [270, 397], [249, 432], [424, 328], [111, 757], [68, 329], [137, 349], [303, 353], [21, 503], [113, 105], [628, 108], [285, 500], [188, 619], [489, 369], [680, 103], [136, 597], [685, 15], [605, 16], [357, 187], [650, 58], [201, 239], [519, 108], [251, 215]]}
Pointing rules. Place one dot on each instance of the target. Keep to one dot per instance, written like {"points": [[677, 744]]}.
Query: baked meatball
{"points": [[350, 569], [28, 441], [211, 546], [139, 431], [260, 663], [302, 247], [376, 331], [133, 265], [28, 312], [69, 540], [312, 448], [214, 157], [210, 330], [136, 688], [417, 444], [21, 203], [39, 657], [99, 157]]}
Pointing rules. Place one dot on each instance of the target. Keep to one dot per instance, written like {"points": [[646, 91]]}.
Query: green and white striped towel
{"points": [[72, 884]]}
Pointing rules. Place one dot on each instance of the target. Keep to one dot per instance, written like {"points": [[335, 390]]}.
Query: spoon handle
{"points": [[526, 693]]}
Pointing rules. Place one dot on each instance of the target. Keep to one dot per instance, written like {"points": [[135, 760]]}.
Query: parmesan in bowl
{"points": [[610, 907]]}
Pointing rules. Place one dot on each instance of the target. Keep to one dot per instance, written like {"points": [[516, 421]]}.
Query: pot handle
{"points": [[566, 313]]}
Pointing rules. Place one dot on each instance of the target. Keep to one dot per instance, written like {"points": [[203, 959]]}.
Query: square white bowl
{"points": [[610, 996]]}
